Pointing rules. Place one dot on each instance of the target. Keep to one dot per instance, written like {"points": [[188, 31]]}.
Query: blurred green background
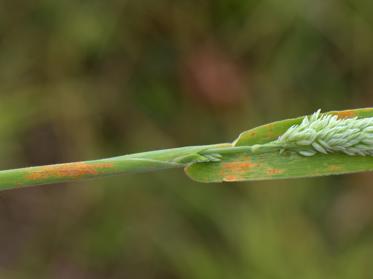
{"points": [[84, 80]]}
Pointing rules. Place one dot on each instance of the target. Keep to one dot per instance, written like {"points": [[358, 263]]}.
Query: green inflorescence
{"points": [[325, 133]]}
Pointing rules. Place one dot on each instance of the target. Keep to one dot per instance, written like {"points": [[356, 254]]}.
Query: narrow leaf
{"points": [[241, 167]]}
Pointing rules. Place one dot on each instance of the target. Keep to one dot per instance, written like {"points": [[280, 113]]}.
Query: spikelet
{"points": [[325, 133]]}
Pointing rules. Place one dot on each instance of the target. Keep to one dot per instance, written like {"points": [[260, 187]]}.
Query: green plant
{"points": [[316, 145]]}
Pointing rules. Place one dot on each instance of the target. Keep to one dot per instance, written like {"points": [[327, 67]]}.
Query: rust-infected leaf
{"points": [[272, 131], [72, 170], [269, 166], [241, 167]]}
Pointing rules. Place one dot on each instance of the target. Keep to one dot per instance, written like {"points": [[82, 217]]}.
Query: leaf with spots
{"points": [[273, 165]]}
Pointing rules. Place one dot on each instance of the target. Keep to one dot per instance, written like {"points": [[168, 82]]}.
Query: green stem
{"points": [[252, 149], [140, 162]]}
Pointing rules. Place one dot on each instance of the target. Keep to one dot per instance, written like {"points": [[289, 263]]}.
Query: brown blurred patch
{"points": [[211, 75], [352, 211], [42, 144]]}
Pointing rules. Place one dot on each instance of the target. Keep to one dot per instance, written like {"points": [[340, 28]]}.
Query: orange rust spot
{"points": [[334, 168], [274, 171], [230, 178], [246, 157], [71, 170], [238, 166], [236, 171], [270, 133], [346, 114], [253, 134]]}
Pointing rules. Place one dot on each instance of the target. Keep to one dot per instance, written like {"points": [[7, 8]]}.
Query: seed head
{"points": [[325, 133]]}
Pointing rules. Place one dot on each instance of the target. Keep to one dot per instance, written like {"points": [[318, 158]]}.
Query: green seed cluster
{"points": [[325, 133]]}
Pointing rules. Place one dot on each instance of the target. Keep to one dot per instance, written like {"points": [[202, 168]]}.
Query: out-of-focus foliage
{"points": [[89, 79]]}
